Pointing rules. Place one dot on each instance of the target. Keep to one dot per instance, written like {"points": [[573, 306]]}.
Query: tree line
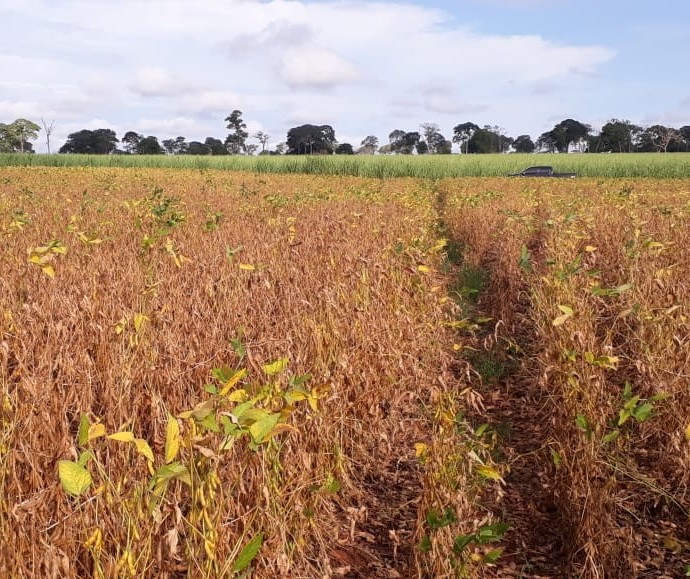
{"points": [[570, 135]]}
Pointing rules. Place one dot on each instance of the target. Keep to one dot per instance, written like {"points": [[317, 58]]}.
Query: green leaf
{"points": [[222, 374], [556, 458], [489, 533], [75, 479], [297, 381], [481, 429], [425, 544], [488, 472], [583, 424], [199, 412], [622, 288], [493, 556], [275, 367], [84, 458], [251, 414], [261, 429], [250, 551], [170, 472], [332, 485], [238, 347], [461, 543], [631, 403], [438, 521], [229, 427], [209, 423], [641, 413], [627, 391], [231, 381], [83, 434], [611, 436]]}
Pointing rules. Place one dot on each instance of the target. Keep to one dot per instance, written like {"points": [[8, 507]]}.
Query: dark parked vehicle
{"points": [[543, 171]]}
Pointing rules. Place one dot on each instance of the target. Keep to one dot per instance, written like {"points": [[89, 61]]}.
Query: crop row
{"points": [[649, 165]]}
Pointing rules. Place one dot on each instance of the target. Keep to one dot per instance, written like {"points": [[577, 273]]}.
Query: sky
{"points": [[180, 67]]}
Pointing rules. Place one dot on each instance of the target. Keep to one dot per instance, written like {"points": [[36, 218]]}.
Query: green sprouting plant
{"points": [[195, 442], [247, 191], [165, 210], [633, 410], [484, 534], [213, 220], [19, 220]]}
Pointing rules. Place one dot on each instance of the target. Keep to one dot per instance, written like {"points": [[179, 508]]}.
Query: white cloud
{"points": [[173, 67], [165, 128], [11, 110], [314, 67], [210, 102], [450, 105], [152, 81]]}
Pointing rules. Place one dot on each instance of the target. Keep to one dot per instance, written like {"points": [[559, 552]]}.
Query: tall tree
{"points": [[150, 146], [15, 137], [344, 149], [402, 142], [98, 142], [483, 141], [197, 148], [662, 137], [131, 142], [524, 144], [618, 137], [236, 139], [431, 135], [311, 139], [48, 129], [215, 146], [546, 143], [568, 133], [263, 138], [177, 146], [435, 141], [8, 139], [25, 131], [684, 133], [462, 134], [369, 145]]}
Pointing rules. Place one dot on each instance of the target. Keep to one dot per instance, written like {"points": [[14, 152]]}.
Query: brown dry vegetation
{"points": [[386, 463], [144, 305], [591, 282]]}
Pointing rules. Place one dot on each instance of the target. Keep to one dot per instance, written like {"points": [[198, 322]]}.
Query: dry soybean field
{"points": [[207, 373]]}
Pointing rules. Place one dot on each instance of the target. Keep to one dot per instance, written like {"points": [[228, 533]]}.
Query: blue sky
{"points": [[175, 67]]}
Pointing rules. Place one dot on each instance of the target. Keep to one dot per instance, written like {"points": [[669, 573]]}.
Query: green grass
{"points": [[656, 165]]}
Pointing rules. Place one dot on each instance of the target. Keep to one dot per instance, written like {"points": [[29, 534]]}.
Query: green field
{"points": [[656, 165]]}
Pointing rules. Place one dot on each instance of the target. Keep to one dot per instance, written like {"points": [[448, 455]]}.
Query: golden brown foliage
{"points": [[121, 290]]}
